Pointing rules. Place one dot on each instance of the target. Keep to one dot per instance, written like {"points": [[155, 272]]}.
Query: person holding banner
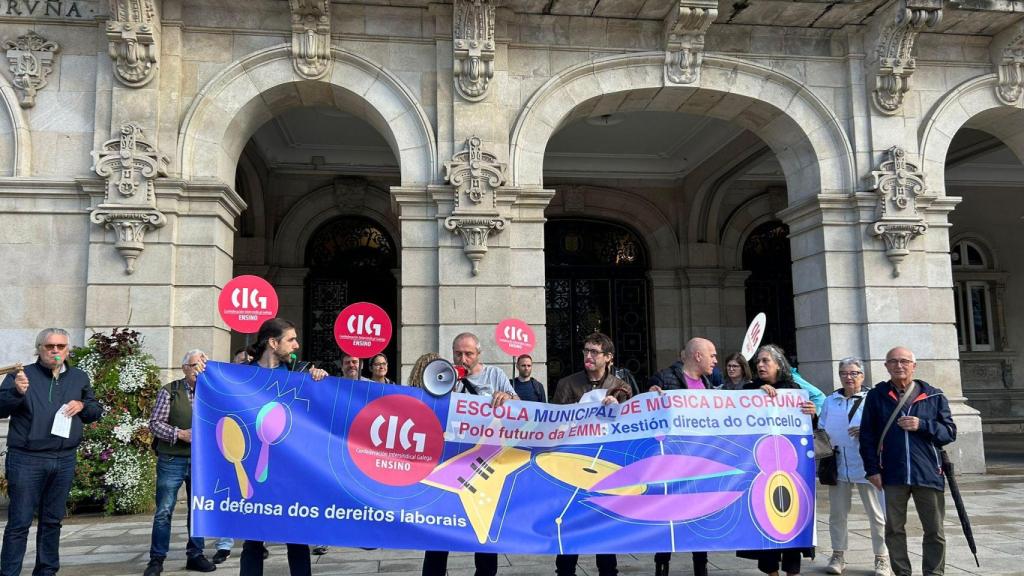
{"points": [[699, 359], [171, 425], [773, 374], [275, 348], [841, 418], [598, 352], [905, 424], [484, 381]]}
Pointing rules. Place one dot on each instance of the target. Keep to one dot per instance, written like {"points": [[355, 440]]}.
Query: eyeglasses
{"points": [[850, 374], [55, 346], [593, 351], [379, 364], [899, 362], [732, 366], [192, 365]]}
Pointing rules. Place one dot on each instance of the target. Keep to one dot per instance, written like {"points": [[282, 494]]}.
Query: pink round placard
{"points": [[362, 329], [514, 337], [246, 302]]}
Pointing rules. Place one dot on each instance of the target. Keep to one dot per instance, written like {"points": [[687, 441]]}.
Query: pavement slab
{"points": [[94, 545]]}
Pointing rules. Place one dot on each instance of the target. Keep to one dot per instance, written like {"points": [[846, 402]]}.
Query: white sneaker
{"points": [[882, 566], [836, 564]]}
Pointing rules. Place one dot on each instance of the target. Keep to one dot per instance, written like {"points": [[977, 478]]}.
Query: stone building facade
{"points": [[658, 169]]}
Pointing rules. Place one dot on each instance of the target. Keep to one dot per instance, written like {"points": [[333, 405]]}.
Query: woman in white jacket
{"points": [[840, 417]]}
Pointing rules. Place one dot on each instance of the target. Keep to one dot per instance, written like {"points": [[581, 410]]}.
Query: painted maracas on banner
{"points": [[234, 446], [272, 424]]}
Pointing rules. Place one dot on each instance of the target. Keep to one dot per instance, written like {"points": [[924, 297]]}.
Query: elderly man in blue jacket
{"points": [[40, 454], [900, 440]]}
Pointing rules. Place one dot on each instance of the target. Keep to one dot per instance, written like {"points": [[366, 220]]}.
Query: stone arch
{"points": [[808, 139], [344, 197], [251, 91], [707, 202], [630, 209], [744, 220], [972, 104], [249, 181], [15, 157]]}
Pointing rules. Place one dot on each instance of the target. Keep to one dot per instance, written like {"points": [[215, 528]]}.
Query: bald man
{"points": [[692, 372], [900, 443]]}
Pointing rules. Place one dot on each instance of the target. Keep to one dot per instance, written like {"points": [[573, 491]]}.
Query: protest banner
{"points": [[278, 457]]}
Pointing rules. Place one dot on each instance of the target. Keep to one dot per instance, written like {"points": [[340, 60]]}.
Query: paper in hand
{"points": [[594, 396], [61, 423]]}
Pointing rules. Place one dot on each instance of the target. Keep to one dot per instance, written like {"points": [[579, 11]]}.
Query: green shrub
{"points": [[116, 464]]}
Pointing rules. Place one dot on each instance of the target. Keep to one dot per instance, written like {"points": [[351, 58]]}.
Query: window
{"points": [[974, 283]]}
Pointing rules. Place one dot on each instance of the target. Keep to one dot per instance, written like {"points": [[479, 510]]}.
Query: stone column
{"points": [[171, 297], [850, 303]]}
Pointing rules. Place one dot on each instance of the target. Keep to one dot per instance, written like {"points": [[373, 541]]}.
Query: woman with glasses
{"points": [[379, 369], [737, 372], [840, 417], [774, 373]]}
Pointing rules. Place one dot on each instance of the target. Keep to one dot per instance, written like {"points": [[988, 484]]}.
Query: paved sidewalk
{"points": [[98, 546]]}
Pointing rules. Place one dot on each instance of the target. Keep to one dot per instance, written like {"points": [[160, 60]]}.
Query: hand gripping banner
{"points": [[279, 457]]}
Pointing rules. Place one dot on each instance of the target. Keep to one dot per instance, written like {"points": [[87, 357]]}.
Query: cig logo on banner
{"points": [[396, 440]]}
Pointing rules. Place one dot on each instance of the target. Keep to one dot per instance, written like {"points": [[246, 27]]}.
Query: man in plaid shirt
{"points": [[171, 425]]}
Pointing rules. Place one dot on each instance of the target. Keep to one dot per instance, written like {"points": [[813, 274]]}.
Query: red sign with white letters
{"points": [[514, 337], [246, 302], [362, 329]]}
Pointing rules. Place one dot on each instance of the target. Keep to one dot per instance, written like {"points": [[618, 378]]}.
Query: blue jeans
{"points": [[171, 472], [35, 484]]}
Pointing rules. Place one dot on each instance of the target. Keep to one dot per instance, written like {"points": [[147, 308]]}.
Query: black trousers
{"points": [[251, 562], [435, 563], [565, 564], [770, 560], [700, 561]]}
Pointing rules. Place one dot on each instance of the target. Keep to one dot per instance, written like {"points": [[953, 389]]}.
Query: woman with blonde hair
{"points": [[416, 374]]}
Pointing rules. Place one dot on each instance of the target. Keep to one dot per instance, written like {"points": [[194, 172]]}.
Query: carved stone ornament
{"points": [[474, 173], [476, 176], [895, 64], [132, 41], [130, 166], [31, 59], [685, 26], [898, 184], [1008, 58], [473, 44], [311, 37]]}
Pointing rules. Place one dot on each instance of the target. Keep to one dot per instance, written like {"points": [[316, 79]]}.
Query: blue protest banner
{"points": [[279, 457]]}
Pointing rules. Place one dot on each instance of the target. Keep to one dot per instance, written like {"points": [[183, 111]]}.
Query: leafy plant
{"points": [[116, 466]]}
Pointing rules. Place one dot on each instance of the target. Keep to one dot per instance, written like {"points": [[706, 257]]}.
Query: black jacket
{"points": [[673, 378], [32, 414], [910, 458]]}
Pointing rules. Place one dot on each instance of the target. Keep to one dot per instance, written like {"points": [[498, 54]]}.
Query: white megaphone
{"points": [[440, 377]]}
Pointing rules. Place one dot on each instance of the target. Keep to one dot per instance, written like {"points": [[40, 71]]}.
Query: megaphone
{"points": [[439, 377]]}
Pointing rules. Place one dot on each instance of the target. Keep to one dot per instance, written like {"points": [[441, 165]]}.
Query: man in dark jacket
{"points": [[171, 425], [40, 451], [527, 387], [693, 372], [904, 459], [598, 353]]}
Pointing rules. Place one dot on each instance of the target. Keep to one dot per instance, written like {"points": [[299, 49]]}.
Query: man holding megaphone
{"points": [[48, 402]]}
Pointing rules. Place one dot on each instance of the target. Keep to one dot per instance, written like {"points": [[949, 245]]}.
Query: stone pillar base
{"points": [[968, 452]]}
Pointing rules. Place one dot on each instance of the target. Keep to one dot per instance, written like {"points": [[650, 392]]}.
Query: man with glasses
{"points": [[598, 352], [171, 425], [484, 381], [41, 455], [905, 424]]}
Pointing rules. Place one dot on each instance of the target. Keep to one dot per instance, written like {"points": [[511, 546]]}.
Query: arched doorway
{"points": [[596, 281], [350, 259], [769, 288]]}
